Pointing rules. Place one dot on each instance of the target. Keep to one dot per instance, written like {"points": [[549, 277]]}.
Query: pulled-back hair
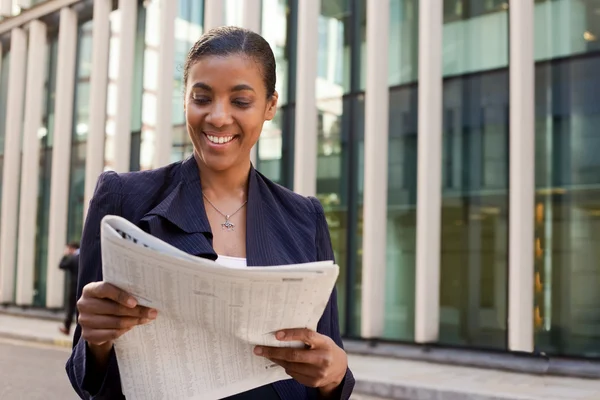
{"points": [[230, 40]]}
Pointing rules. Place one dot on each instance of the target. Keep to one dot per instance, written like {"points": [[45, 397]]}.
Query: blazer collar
{"points": [[184, 206]]}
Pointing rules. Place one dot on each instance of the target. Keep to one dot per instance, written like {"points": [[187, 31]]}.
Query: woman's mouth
{"points": [[224, 139]]}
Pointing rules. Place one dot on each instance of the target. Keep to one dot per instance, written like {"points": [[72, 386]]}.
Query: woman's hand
{"points": [[105, 313], [322, 364]]}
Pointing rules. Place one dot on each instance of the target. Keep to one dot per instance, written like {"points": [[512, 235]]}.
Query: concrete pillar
{"points": [[127, 34], [252, 21], [522, 178], [61, 155], [429, 171], [305, 145], [214, 14], [36, 72], [11, 167], [94, 163], [375, 173], [164, 95]]}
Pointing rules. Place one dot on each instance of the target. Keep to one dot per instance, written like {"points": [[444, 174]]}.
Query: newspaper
{"points": [[210, 316]]}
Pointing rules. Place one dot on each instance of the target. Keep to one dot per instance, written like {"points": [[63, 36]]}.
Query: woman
{"points": [[212, 205]]}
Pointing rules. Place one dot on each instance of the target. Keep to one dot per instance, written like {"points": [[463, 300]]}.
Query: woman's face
{"points": [[226, 105]]}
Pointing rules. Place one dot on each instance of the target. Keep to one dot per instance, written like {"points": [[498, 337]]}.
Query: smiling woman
{"points": [[213, 205]]}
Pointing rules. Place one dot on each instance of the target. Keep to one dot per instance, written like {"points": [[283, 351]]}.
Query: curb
{"points": [[405, 392], [56, 342]]}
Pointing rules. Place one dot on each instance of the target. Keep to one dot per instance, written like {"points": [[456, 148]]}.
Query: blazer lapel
{"points": [[180, 219], [268, 242]]}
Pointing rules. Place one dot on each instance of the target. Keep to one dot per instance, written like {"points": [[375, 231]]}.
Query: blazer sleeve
{"points": [[87, 382], [329, 323]]}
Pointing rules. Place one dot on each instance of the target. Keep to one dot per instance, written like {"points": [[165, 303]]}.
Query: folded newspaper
{"points": [[210, 316]]}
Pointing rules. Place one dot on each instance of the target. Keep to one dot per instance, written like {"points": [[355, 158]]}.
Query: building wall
{"points": [[477, 85]]}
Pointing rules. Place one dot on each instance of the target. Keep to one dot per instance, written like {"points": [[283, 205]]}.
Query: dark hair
{"points": [[229, 40], [73, 245]]}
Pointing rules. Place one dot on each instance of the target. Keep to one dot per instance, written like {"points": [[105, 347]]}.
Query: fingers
{"points": [[103, 290], [292, 355], [310, 337], [108, 307], [110, 322]]}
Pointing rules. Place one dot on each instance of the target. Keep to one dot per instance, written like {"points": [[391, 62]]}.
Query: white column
{"points": [[376, 166], [305, 145], [61, 155], [252, 21], [36, 72], [522, 178], [214, 14], [6, 8], [429, 166], [12, 159], [94, 162], [164, 96], [127, 33]]}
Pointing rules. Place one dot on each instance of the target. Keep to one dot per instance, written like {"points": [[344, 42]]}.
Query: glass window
{"points": [[474, 230], [567, 206], [45, 135], [404, 42], [279, 29], [188, 29], [566, 27], [81, 120], [402, 171], [475, 36], [340, 104]]}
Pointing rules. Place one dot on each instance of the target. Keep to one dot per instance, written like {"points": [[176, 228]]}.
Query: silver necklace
{"points": [[227, 225]]}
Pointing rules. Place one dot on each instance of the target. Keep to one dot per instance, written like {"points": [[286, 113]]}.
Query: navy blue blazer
{"points": [[282, 227]]}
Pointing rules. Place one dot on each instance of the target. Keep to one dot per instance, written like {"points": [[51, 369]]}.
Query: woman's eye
{"points": [[241, 103], [201, 100]]}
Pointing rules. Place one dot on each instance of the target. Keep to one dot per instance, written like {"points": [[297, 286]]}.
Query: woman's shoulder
{"points": [[289, 199]]}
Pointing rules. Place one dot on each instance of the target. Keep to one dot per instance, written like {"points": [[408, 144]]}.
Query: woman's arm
{"points": [[92, 381], [329, 323]]}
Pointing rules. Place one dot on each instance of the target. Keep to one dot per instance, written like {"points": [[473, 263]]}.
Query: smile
{"points": [[219, 139]]}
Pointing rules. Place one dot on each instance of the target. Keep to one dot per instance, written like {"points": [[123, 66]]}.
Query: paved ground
{"points": [[384, 377], [32, 371]]}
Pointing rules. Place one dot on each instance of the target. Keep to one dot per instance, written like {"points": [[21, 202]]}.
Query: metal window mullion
{"points": [[252, 21], [429, 171], [61, 154], [36, 72], [522, 177], [214, 14]]}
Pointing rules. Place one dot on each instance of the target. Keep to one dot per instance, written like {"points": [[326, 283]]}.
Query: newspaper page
{"points": [[210, 316]]}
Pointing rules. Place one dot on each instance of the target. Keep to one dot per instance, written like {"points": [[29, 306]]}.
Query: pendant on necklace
{"points": [[228, 225]]}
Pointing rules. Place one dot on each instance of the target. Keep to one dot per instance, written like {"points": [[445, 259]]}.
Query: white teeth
{"points": [[219, 140]]}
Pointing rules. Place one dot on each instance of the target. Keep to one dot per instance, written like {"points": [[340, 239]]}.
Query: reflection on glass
{"points": [[340, 104], [402, 215], [474, 254], [271, 143], [188, 29], [80, 131], [566, 27], [475, 36], [404, 42], [45, 135], [567, 207]]}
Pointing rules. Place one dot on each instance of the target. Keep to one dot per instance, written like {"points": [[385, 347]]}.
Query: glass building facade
{"points": [[476, 81]]}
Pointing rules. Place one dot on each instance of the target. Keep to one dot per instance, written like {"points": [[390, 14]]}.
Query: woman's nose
{"points": [[219, 115]]}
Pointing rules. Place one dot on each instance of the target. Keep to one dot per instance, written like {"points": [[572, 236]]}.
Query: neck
{"points": [[232, 183]]}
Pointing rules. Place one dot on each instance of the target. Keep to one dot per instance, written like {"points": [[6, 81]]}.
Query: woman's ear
{"points": [[271, 106]]}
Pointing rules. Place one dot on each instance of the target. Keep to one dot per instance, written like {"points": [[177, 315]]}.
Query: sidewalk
{"points": [[390, 378]]}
